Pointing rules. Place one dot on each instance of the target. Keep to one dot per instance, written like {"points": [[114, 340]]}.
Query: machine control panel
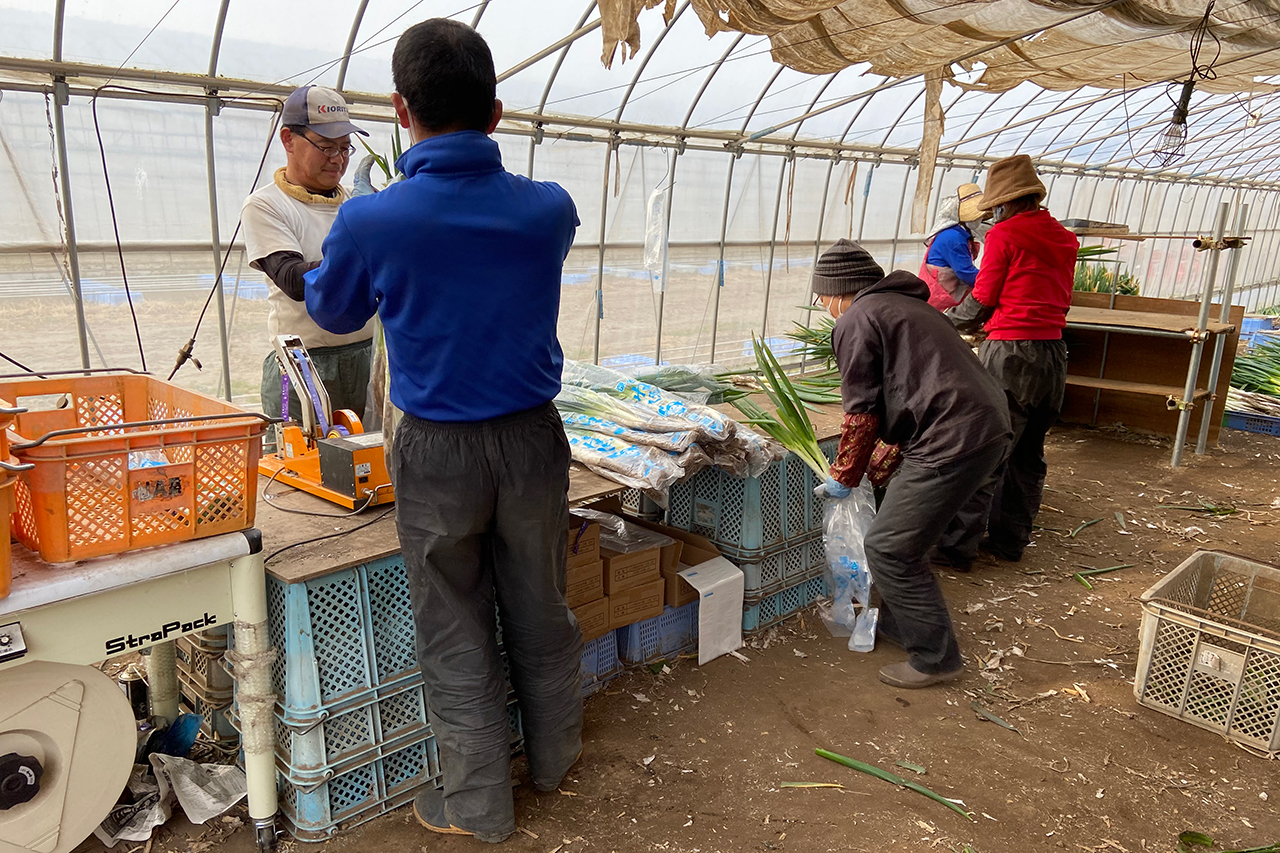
{"points": [[12, 646]]}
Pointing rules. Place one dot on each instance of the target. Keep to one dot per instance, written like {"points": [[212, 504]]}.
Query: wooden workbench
{"points": [[378, 539]]}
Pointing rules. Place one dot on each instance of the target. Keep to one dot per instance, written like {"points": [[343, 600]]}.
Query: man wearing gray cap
{"points": [[284, 225], [908, 379]]}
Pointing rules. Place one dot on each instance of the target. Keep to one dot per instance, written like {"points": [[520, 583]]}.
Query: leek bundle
{"points": [[1258, 369], [623, 412], [815, 341], [790, 425]]}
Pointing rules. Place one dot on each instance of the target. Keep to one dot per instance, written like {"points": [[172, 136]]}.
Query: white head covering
{"points": [[948, 215]]}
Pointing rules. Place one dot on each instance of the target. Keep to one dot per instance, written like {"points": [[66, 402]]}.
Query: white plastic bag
{"points": [[845, 525]]}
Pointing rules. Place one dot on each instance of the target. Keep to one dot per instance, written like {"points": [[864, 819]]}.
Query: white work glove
{"points": [[360, 184]]}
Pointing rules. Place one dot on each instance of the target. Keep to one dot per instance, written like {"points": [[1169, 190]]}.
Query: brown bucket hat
{"points": [[1010, 178]]}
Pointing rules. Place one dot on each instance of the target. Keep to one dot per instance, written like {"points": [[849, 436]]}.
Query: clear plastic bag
{"points": [[675, 442], [638, 466], [845, 525], [621, 536], [711, 425]]}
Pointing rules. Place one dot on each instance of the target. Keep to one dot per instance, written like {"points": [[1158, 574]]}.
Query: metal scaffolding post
{"points": [[60, 99], [1197, 347], [1224, 315]]}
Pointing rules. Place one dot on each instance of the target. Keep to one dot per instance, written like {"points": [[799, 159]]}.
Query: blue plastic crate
{"points": [[339, 636], [1264, 424], [1256, 324], [752, 518], [362, 792], [773, 609], [784, 568], [600, 663], [673, 632]]}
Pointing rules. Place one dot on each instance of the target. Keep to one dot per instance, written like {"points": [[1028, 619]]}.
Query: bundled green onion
{"points": [[1258, 369], [815, 341], [791, 426]]}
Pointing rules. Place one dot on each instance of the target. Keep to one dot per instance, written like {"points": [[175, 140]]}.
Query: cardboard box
{"points": [[627, 571], [593, 619], [584, 542], [694, 549], [584, 584], [637, 604]]}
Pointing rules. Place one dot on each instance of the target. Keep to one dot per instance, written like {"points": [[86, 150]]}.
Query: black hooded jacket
{"points": [[902, 360]]}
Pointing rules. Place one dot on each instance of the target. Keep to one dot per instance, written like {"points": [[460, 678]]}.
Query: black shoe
{"points": [[940, 559], [1008, 553]]}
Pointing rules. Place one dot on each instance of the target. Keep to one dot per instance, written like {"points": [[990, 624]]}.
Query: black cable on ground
{"points": [[374, 520]]}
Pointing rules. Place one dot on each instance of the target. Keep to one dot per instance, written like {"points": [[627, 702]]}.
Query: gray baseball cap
{"points": [[321, 109]]}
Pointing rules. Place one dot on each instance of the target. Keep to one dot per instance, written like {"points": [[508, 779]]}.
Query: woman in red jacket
{"points": [[1023, 290]]}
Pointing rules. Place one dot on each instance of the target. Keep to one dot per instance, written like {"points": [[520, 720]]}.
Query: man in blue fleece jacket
{"points": [[462, 262]]}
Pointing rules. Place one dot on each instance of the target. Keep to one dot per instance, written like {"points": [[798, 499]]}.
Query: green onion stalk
{"points": [[1258, 369], [789, 425]]}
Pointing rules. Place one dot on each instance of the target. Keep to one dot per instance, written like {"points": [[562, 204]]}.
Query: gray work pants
{"points": [[920, 504], [483, 516], [1034, 376]]}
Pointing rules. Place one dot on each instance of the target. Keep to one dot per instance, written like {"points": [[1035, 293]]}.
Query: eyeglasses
{"points": [[333, 152]]}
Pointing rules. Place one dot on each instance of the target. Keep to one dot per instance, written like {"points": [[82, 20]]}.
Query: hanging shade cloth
{"points": [[1072, 43]]}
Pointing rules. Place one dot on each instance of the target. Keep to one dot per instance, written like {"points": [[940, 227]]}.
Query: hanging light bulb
{"points": [[1172, 141]]}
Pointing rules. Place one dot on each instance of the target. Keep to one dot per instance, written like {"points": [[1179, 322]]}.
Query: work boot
{"points": [[1008, 553], [907, 677], [428, 808], [547, 787], [947, 561]]}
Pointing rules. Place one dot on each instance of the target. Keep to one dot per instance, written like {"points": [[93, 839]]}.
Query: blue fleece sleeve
{"points": [[339, 293], [951, 249]]}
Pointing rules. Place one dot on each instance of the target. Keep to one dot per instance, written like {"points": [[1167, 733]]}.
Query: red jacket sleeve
{"points": [[994, 269], [857, 440]]}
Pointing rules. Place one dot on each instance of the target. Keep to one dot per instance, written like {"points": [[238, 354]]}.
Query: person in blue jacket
{"points": [[952, 247], [462, 262]]}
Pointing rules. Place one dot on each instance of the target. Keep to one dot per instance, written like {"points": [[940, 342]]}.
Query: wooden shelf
{"points": [[1131, 387], [1145, 320]]}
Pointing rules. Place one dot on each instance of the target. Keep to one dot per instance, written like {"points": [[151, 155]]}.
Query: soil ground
{"points": [[694, 759]]}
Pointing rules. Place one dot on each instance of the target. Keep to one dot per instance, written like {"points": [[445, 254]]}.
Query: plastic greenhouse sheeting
{"points": [[766, 164]]}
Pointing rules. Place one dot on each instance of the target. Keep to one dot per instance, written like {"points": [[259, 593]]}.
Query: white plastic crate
{"points": [[1210, 647]]}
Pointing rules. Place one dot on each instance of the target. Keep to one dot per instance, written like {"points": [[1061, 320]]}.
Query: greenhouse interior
{"points": [[719, 155]]}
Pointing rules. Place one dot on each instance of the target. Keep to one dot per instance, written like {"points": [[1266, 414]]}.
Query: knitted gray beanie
{"points": [[845, 268]]}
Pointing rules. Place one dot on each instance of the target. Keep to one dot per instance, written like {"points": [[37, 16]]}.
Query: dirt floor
{"points": [[696, 760]]}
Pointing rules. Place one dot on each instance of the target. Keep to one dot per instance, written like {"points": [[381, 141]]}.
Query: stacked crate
{"points": [[352, 736], [769, 526], [205, 686]]}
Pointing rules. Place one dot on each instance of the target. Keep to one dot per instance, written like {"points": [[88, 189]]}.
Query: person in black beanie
{"points": [[908, 379]]}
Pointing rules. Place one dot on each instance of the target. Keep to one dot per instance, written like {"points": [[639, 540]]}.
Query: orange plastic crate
{"points": [[105, 480]]}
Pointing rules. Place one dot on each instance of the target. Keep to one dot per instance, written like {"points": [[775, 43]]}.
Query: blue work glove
{"points": [[360, 184], [832, 489]]}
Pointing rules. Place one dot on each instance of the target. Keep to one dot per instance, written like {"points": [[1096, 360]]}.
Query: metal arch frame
{"points": [[724, 213], [351, 43], [902, 200], [475, 21], [777, 208], [534, 141], [1051, 150], [1201, 146], [998, 96], [1164, 200], [1036, 119], [60, 99], [1099, 141], [1269, 139], [604, 195], [212, 107], [986, 150], [1202, 140], [675, 160], [1213, 151], [1035, 128]]}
